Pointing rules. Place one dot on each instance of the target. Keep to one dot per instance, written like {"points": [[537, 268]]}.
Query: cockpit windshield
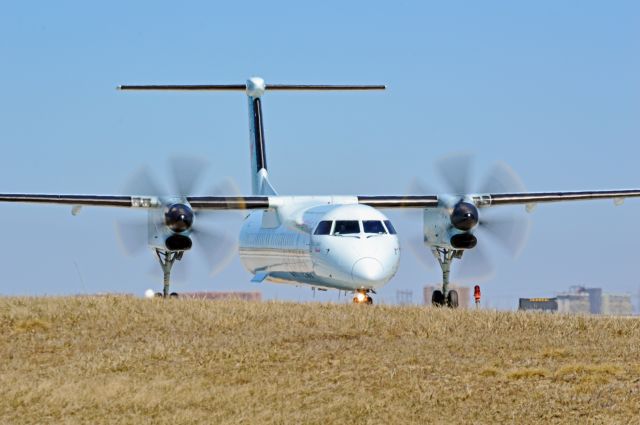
{"points": [[346, 227], [373, 226], [354, 227], [324, 228], [390, 228]]}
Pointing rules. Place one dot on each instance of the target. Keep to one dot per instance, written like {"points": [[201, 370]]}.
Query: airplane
{"points": [[325, 242]]}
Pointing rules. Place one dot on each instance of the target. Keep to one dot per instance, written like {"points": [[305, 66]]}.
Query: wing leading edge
{"points": [[263, 202], [495, 199], [201, 202], [538, 197]]}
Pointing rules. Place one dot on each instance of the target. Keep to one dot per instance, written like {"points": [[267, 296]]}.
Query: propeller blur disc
{"points": [[215, 247], [507, 228]]}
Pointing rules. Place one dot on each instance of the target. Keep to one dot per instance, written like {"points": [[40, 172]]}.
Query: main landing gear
{"points": [[445, 297], [166, 259], [361, 296]]}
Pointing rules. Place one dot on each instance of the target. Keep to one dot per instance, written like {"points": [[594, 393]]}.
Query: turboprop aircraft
{"points": [[325, 242]]}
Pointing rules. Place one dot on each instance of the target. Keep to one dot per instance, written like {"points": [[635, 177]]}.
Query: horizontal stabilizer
{"points": [[242, 87]]}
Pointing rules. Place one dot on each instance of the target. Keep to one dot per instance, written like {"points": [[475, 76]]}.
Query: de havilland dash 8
{"points": [[325, 242]]}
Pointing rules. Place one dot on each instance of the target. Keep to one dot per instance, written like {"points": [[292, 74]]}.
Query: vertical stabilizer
{"points": [[260, 184], [255, 88]]}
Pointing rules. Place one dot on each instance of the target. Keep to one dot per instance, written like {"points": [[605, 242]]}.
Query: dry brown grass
{"points": [[125, 360]]}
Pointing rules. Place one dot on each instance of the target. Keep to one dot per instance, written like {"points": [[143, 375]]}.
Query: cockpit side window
{"points": [[346, 227], [373, 226], [390, 228], [324, 228]]}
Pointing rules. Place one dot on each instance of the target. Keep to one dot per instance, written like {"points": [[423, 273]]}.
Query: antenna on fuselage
{"points": [[255, 88]]}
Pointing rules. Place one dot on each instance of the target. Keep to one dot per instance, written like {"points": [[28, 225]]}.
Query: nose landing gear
{"points": [[361, 296]]}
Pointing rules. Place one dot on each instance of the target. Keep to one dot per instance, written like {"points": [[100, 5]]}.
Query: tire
{"points": [[369, 300], [452, 299], [173, 295], [158, 295], [437, 298]]}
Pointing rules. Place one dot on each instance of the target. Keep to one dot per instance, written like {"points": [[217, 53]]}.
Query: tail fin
{"points": [[255, 88]]}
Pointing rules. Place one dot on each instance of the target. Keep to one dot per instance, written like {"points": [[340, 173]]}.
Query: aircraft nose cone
{"points": [[367, 270]]}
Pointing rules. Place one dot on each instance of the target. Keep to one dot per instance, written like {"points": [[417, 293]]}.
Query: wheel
{"points": [[437, 298], [173, 295], [369, 300], [452, 299], [158, 295]]}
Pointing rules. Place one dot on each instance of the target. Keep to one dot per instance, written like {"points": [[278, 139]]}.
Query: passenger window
{"points": [[324, 228], [373, 226], [346, 227], [390, 228]]}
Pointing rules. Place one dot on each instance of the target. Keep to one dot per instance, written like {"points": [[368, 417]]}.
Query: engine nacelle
{"points": [[440, 231], [169, 228]]}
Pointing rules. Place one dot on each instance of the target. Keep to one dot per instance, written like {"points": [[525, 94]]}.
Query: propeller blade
{"points": [[215, 247], [226, 187], [142, 182], [187, 172], [418, 187], [510, 232], [455, 172], [474, 265], [132, 235], [502, 179], [421, 251]]}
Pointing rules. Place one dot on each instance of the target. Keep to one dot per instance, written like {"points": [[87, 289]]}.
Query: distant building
{"points": [[245, 296], [538, 304], [595, 297], [575, 303], [616, 304], [404, 297], [464, 295], [581, 300]]}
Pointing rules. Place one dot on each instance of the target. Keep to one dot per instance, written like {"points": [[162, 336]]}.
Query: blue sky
{"points": [[552, 88]]}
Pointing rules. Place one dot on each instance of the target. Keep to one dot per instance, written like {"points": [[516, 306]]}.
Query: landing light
{"points": [[360, 297]]}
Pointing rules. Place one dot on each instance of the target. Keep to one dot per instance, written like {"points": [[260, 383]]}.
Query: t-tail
{"points": [[255, 88]]}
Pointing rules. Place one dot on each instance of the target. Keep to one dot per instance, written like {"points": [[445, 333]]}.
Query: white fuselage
{"points": [[317, 242]]}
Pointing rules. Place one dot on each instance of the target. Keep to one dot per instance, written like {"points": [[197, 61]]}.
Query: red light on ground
{"points": [[476, 293]]}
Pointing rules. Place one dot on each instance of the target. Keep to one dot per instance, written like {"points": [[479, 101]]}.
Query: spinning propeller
{"points": [[471, 223], [175, 226]]}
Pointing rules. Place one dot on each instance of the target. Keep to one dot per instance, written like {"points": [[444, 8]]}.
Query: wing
{"points": [[486, 200], [202, 202], [262, 202], [537, 197], [427, 201]]}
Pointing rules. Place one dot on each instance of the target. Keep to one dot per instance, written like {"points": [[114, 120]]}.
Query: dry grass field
{"points": [[125, 360]]}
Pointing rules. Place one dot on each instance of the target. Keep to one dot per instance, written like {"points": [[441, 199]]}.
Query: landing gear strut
{"points": [[447, 297], [362, 296], [166, 259]]}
